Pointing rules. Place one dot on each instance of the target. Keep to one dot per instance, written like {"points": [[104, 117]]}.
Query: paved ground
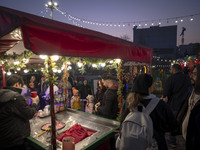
{"points": [[180, 143]]}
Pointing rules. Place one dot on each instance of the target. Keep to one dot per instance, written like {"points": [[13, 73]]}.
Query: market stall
{"points": [[45, 36], [101, 128]]}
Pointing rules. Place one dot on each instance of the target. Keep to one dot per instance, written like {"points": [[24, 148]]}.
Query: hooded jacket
{"points": [[109, 104], [14, 116]]}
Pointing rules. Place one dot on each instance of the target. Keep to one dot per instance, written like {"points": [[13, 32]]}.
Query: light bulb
{"points": [[9, 73], [103, 64], [118, 60], [43, 56], [80, 64], [55, 57], [94, 65]]}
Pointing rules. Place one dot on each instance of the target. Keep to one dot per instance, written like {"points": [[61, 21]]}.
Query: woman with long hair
{"points": [[162, 116]]}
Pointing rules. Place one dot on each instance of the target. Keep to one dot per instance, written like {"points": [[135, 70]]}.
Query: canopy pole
{"points": [[4, 77], [53, 129], [66, 83]]}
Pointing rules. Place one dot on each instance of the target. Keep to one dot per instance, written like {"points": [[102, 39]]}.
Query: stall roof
{"points": [[50, 37]]}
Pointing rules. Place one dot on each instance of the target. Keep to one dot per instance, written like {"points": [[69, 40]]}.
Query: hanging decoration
{"points": [[15, 60], [142, 23], [120, 76]]}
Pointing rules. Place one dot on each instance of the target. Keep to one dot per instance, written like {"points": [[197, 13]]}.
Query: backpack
{"points": [[137, 129]]}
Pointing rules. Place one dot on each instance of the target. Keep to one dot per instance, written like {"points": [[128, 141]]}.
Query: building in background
{"points": [[163, 40]]}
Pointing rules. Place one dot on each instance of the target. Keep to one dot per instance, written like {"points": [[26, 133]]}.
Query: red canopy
{"points": [[46, 36]]}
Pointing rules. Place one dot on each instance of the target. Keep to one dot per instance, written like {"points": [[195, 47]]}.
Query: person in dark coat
{"points": [[176, 92], [84, 91], [100, 91], [162, 116], [191, 123], [108, 107], [15, 115]]}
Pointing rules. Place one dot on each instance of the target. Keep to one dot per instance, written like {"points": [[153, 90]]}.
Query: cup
{"points": [[68, 143], [33, 94]]}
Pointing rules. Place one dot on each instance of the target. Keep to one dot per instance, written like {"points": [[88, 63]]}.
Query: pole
{"points": [[65, 83], [53, 129], [4, 78], [52, 10]]}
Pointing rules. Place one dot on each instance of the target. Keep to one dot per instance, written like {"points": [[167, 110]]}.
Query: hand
{"points": [[35, 100], [96, 106], [165, 99]]}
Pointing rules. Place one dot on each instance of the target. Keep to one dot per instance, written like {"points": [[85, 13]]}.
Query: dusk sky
{"points": [[120, 12]]}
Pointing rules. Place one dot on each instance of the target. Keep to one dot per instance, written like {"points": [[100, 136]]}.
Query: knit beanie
{"points": [[142, 83], [75, 91], [31, 83]]}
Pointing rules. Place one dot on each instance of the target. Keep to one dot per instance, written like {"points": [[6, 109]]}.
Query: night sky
{"points": [[120, 12]]}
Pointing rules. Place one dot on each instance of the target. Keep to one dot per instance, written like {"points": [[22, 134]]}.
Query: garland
{"points": [[120, 76], [8, 60]]}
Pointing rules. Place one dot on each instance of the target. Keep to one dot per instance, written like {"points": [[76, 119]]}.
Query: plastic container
{"points": [[68, 143]]}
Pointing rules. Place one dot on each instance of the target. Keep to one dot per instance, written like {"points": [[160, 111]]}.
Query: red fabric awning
{"points": [[46, 36]]}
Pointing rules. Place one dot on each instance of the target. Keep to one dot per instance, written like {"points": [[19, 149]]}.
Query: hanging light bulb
{"points": [[55, 70], [43, 56], [111, 61], [176, 21], [118, 60], [25, 60], [9, 73], [94, 65], [55, 57], [103, 64], [25, 71], [191, 19], [16, 62], [69, 68], [181, 20], [80, 64]]}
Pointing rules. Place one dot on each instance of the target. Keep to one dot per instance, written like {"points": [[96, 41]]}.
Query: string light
{"points": [[77, 21]]}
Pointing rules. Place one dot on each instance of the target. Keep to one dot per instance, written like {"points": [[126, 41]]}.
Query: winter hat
{"points": [[31, 83], [142, 83], [75, 91]]}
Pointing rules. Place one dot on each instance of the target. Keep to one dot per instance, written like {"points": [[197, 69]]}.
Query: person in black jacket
{"points": [[162, 116], [14, 115], [99, 94], [108, 107], [191, 128], [176, 92], [84, 91]]}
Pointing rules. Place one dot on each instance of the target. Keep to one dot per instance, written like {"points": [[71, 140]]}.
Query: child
{"points": [[90, 103], [75, 101]]}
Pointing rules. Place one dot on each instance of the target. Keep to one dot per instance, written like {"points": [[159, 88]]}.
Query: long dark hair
{"points": [[197, 83], [133, 100], [100, 86]]}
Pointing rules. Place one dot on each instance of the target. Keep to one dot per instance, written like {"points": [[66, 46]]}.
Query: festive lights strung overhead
{"points": [[78, 21]]}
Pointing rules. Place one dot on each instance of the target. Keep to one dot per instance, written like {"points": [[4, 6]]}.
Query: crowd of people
{"points": [[176, 112]]}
